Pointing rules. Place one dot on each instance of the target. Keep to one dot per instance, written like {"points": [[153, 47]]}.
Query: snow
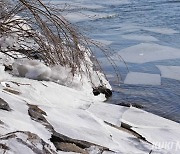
{"points": [[155, 129], [142, 78], [32, 69], [37, 70], [148, 52], [103, 111], [171, 72], [80, 115], [83, 125], [72, 109], [144, 38], [4, 75]]}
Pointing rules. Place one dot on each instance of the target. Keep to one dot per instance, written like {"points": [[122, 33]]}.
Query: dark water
{"points": [[110, 19]]}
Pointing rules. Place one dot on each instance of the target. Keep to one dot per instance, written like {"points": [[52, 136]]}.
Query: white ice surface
{"points": [[80, 115], [130, 27], [166, 31], [142, 78], [148, 52], [104, 112], [171, 72], [155, 129], [77, 114]]}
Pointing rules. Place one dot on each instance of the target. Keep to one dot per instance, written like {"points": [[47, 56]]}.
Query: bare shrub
{"points": [[42, 32]]}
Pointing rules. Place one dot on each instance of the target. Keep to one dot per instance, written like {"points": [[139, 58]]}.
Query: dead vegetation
{"points": [[41, 32]]}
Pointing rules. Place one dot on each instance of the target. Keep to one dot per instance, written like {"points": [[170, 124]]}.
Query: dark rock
{"points": [[124, 104], [8, 67], [36, 55], [12, 91], [20, 84], [139, 106], [136, 134], [36, 109], [26, 139], [96, 92], [4, 105], [60, 141], [58, 138], [69, 147], [38, 115], [7, 85], [101, 89], [4, 147]]}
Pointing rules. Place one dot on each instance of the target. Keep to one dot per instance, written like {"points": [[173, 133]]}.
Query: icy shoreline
{"points": [[79, 115], [47, 110]]}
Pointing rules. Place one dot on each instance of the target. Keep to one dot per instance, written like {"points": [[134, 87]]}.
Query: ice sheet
{"points": [[104, 112], [161, 30], [160, 134], [148, 52], [142, 78], [131, 27], [144, 38], [171, 72]]}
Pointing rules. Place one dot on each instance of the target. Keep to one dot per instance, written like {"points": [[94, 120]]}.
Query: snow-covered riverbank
{"points": [[31, 111], [51, 109]]}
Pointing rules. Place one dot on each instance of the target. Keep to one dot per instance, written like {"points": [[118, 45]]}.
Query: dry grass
{"points": [[55, 40]]}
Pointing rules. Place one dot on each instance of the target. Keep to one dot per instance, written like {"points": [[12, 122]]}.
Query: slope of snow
{"points": [[160, 132], [70, 119], [79, 115], [75, 113], [106, 113]]}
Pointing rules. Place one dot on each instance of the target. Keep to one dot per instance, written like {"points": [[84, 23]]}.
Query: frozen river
{"points": [[146, 33]]}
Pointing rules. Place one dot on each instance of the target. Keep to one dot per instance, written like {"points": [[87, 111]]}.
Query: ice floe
{"points": [[144, 38], [160, 134], [130, 27], [166, 31], [148, 52], [171, 72], [142, 78]]}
